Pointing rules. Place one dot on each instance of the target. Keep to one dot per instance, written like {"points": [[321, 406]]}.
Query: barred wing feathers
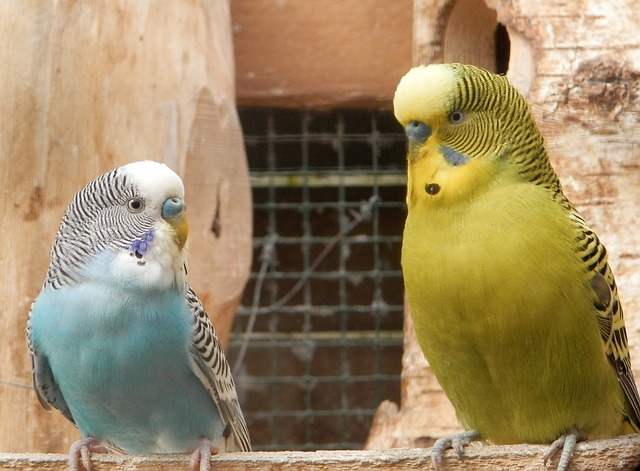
{"points": [[609, 312], [212, 369]]}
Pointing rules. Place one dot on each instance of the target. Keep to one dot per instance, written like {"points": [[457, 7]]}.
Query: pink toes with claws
{"points": [[81, 452], [201, 456]]}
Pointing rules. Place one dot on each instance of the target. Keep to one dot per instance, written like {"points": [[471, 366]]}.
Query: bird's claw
{"points": [[457, 441], [80, 452], [201, 456], [566, 443]]}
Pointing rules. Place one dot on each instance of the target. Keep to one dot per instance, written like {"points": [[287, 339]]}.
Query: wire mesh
{"points": [[317, 341]]}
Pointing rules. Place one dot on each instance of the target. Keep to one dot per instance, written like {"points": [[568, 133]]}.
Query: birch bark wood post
{"points": [[578, 64], [88, 86]]}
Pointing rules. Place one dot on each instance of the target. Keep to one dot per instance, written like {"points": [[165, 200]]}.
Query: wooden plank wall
{"points": [[320, 54]]}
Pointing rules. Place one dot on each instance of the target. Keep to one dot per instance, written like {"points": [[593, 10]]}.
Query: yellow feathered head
{"points": [[467, 128]]}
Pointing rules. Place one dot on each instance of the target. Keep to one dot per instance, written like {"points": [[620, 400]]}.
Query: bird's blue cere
{"points": [[173, 207], [417, 132]]}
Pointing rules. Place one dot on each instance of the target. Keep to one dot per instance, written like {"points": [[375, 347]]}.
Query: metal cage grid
{"points": [[317, 341]]}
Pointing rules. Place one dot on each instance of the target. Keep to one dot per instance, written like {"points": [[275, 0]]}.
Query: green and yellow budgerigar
{"points": [[514, 304]]}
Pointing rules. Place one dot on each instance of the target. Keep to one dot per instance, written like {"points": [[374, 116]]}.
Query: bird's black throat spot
{"points": [[141, 262], [432, 189]]}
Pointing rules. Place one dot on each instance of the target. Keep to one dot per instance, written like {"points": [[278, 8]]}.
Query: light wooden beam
{"points": [[620, 454]]}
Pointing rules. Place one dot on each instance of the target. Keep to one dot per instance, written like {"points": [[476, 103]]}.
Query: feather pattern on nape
{"points": [[92, 222]]}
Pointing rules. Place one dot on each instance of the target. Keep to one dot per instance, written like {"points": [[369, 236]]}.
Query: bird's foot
{"points": [[457, 441], [201, 456], [566, 443], [81, 450]]}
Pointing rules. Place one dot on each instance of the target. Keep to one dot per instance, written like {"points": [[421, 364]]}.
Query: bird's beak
{"points": [[174, 211]]}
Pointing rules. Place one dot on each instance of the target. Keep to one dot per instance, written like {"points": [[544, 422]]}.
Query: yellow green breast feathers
{"points": [[496, 267], [477, 282]]}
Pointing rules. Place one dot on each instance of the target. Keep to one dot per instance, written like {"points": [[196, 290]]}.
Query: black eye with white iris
{"points": [[457, 117], [135, 205]]}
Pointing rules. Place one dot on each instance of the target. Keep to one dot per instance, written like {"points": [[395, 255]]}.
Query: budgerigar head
{"points": [[467, 128], [127, 226]]}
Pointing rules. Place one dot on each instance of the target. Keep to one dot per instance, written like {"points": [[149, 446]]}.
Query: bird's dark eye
{"points": [[135, 205], [456, 117]]}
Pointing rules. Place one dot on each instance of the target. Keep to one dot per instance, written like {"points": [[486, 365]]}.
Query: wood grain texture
{"points": [[312, 53], [620, 454], [88, 86], [578, 64]]}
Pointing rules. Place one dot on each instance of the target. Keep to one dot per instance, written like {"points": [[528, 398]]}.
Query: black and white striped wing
{"points": [[213, 370]]}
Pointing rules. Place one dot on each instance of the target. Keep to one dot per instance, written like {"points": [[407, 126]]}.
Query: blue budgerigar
{"points": [[120, 343]]}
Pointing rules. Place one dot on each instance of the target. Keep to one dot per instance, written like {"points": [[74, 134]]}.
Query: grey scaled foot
{"points": [[566, 443], [457, 441]]}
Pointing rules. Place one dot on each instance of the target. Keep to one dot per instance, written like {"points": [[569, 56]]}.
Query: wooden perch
{"points": [[619, 454]]}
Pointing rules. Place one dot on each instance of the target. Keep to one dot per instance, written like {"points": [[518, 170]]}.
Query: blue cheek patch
{"points": [[454, 157], [140, 246]]}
